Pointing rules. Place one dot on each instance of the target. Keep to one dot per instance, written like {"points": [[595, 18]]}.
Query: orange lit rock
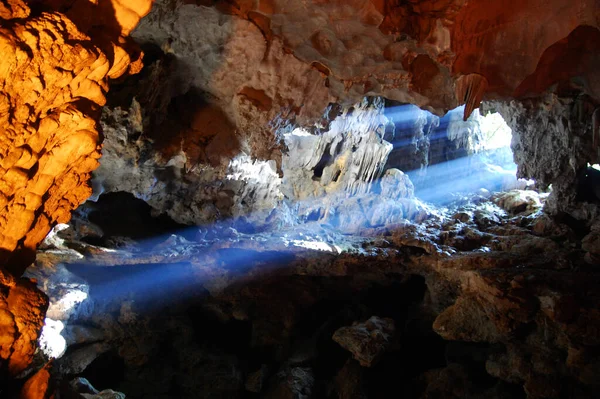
{"points": [[53, 80], [38, 386], [22, 310]]}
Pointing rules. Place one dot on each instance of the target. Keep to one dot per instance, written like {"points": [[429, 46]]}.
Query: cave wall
{"points": [[553, 143], [57, 60], [262, 65], [296, 58], [54, 81], [236, 77]]}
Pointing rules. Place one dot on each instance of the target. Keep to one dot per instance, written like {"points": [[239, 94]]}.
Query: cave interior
{"points": [[318, 199]]}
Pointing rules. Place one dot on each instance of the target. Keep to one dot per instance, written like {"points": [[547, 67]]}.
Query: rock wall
{"points": [[349, 157], [343, 156], [57, 59], [553, 144], [235, 77], [490, 298], [283, 60], [228, 78], [264, 65], [54, 79]]}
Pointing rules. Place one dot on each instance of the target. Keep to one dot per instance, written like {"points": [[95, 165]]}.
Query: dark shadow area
{"points": [[588, 188], [106, 371], [121, 216]]}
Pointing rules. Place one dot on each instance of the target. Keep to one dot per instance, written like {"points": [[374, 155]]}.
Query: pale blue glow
{"points": [[159, 284]]}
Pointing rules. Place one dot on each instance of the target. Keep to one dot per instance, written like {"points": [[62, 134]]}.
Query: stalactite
{"points": [[470, 90]]}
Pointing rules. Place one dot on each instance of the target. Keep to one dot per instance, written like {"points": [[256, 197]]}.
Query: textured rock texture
{"points": [[553, 143], [263, 66], [348, 157], [287, 60], [245, 107], [184, 184], [367, 341], [321, 171], [22, 309], [53, 83], [54, 73], [488, 294]]}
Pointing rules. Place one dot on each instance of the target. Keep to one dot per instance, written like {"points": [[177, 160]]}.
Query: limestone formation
{"points": [[552, 143], [367, 341], [54, 74], [54, 81], [277, 172]]}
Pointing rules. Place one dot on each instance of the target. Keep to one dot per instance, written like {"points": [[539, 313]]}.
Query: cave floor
{"points": [[487, 298]]}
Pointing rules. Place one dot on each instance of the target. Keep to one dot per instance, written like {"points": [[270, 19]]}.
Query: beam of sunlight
{"points": [[404, 115], [159, 271], [453, 177]]}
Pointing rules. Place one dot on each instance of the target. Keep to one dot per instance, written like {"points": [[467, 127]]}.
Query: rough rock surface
{"points": [[349, 157], [367, 341], [345, 160], [54, 73], [553, 143], [435, 54], [22, 309], [501, 284], [53, 83], [229, 78], [201, 135]]}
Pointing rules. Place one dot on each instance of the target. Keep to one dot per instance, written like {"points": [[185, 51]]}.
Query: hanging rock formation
{"points": [[54, 79]]}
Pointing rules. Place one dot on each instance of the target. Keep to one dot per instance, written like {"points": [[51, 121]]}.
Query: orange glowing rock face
{"points": [[22, 311], [39, 385], [53, 80]]}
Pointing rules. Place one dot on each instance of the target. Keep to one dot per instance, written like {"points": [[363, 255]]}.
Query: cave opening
{"points": [[446, 157]]}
